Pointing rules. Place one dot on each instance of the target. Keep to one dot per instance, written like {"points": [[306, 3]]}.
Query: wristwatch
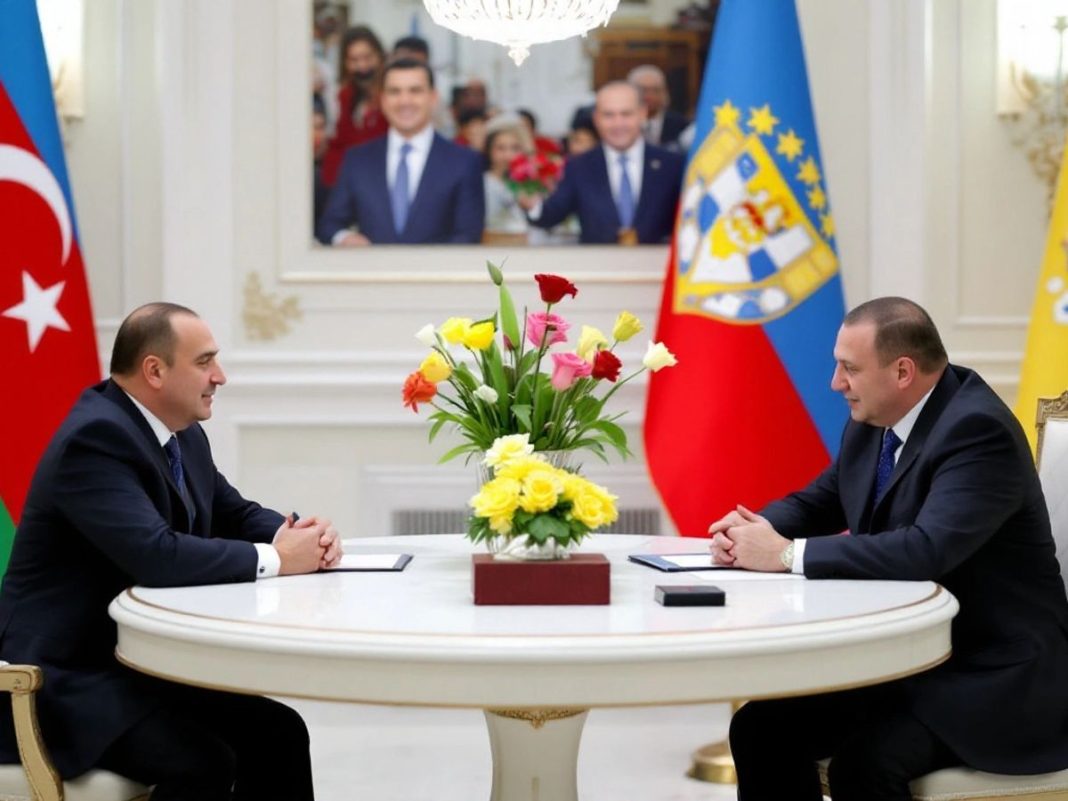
{"points": [[787, 556]]}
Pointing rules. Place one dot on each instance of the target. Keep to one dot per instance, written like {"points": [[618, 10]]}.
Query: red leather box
{"points": [[581, 579]]}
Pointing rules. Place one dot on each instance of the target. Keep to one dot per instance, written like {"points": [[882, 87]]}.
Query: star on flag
{"points": [[38, 309]]}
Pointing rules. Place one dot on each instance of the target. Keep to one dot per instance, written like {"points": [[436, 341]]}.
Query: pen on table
{"points": [[292, 519]]}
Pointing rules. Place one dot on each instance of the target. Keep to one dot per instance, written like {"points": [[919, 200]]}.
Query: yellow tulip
{"points": [[434, 367], [627, 325], [455, 329], [589, 342], [479, 336]]}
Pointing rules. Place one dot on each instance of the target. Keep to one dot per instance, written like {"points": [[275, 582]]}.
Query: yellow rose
{"points": [[519, 467], [504, 449], [541, 490], [498, 499], [627, 325], [455, 329], [502, 525], [434, 368], [479, 336], [591, 505], [657, 356], [589, 342]]}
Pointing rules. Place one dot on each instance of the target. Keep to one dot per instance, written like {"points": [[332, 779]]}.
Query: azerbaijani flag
{"points": [[1045, 366], [753, 298], [47, 340]]}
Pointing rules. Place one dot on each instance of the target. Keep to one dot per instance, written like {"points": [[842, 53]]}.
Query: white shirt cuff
{"points": [[339, 236], [798, 565], [268, 562], [535, 212]]}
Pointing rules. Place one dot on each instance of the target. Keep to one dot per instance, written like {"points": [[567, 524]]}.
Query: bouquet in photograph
{"points": [[534, 173], [485, 379]]}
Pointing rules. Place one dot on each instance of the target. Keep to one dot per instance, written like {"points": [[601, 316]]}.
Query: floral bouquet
{"points": [[499, 390], [553, 507], [534, 173]]}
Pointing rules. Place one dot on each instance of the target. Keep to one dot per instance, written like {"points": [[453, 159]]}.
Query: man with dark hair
{"points": [[935, 482], [411, 186], [411, 47], [625, 191], [127, 493]]}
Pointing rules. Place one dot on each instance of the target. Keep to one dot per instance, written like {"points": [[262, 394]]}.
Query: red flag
{"points": [[47, 336]]}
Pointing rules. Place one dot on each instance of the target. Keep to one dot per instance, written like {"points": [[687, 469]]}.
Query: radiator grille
{"points": [[405, 522]]}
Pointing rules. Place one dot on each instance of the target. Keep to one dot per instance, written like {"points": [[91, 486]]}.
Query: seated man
{"points": [[626, 191], [935, 481], [127, 493], [412, 186]]}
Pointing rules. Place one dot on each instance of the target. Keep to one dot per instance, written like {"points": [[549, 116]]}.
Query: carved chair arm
{"points": [[22, 681]]}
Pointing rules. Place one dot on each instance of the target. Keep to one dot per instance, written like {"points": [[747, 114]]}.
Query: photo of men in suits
{"points": [[625, 191], [411, 186], [934, 481], [127, 493]]}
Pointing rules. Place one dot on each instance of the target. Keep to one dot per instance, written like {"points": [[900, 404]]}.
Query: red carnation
{"points": [[554, 287], [606, 365], [418, 390]]}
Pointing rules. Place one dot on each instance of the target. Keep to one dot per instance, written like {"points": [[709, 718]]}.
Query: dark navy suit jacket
{"points": [[964, 507], [103, 513], [449, 204], [585, 191]]}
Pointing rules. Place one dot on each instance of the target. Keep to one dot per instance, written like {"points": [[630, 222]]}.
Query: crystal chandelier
{"points": [[518, 24]]}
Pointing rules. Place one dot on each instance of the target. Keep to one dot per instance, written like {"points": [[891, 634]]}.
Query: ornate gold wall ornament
{"points": [[266, 315], [537, 717]]}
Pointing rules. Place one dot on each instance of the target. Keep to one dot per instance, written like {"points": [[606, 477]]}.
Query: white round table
{"points": [[416, 638]]}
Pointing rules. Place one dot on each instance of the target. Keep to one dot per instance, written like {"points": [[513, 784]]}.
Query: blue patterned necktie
{"points": [[174, 456], [891, 441], [399, 194], [625, 201]]}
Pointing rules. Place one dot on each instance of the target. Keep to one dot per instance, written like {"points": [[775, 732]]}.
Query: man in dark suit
{"points": [[127, 493], [662, 123], [412, 186], [934, 481], [625, 191]]}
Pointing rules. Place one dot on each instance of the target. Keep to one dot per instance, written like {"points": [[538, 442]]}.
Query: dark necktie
{"points": [[891, 441], [625, 201], [174, 456], [399, 196]]}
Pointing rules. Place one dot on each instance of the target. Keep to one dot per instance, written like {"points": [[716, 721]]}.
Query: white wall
{"points": [[190, 177]]}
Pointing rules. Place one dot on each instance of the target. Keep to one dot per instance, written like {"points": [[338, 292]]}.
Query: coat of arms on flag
{"points": [[747, 248]]}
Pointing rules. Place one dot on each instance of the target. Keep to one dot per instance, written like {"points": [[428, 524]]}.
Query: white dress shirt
{"points": [[417, 157], [902, 428], [635, 165], [268, 562], [653, 129]]}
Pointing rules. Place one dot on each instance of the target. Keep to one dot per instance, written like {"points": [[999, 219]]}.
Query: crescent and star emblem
{"points": [[38, 307]]}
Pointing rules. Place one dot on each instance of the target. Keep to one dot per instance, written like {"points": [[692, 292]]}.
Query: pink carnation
{"points": [[566, 368]]}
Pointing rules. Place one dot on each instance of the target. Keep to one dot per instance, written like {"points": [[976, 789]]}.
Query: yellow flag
{"points": [[1045, 365]]}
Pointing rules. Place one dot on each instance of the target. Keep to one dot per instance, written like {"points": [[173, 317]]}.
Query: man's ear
{"points": [[152, 368], [906, 371]]}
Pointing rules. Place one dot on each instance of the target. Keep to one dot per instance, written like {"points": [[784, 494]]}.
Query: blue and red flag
{"points": [[753, 298], [47, 339]]}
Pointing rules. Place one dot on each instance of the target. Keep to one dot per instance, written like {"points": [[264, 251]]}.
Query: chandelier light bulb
{"points": [[518, 24]]}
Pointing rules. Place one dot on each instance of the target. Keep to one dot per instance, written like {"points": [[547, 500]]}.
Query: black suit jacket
{"points": [[586, 191], [964, 508], [674, 124], [103, 513]]}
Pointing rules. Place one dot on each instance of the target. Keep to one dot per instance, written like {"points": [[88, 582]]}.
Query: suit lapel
{"points": [[433, 175], [151, 447], [944, 390], [862, 478]]}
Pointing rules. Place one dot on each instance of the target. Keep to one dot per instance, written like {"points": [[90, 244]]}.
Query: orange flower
{"points": [[418, 390]]}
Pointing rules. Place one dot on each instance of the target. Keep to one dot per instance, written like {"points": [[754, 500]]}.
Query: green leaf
{"points": [[615, 434], [509, 321], [522, 414], [545, 525], [434, 429], [495, 273], [464, 375], [500, 383], [468, 447], [585, 411]]}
